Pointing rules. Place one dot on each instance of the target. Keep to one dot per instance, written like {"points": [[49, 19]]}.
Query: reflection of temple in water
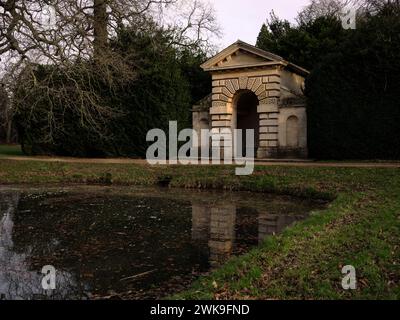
{"points": [[269, 224], [217, 227]]}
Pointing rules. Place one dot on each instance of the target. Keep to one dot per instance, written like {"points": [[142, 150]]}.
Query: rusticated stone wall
{"points": [[265, 84]]}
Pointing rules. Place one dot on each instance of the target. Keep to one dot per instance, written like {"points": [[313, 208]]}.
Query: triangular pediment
{"points": [[240, 55]]}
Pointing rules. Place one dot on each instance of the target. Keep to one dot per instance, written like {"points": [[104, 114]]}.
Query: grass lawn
{"points": [[10, 150], [361, 226]]}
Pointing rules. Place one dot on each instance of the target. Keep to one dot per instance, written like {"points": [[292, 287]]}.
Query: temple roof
{"points": [[243, 55]]}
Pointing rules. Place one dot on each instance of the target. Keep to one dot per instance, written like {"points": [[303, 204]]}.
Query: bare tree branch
{"points": [[69, 34]]}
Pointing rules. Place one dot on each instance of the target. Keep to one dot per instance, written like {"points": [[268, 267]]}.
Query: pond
{"points": [[129, 242]]}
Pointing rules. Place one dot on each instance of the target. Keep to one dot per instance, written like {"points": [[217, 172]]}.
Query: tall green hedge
{"points": [[353, 89], [161, 92], [354, 96]]}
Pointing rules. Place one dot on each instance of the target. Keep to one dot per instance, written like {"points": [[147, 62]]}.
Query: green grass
{"points": [[361, 226], [10, 150]]}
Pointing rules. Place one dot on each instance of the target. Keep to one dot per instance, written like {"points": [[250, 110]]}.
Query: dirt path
{"points": [[291, 163]]}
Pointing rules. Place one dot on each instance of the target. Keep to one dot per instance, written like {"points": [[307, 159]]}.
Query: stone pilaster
{"points": [[269, 113], [221, 115], [221, 120]]}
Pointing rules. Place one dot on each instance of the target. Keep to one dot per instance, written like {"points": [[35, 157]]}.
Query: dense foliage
{"points": [[353, 99], [305, 44], [167, 81], [354, 109]]}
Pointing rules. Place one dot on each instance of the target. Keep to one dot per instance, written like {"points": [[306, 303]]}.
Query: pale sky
{"points": [[242, 19]]}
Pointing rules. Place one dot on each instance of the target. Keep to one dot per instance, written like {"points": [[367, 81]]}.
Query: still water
{"points": [[129, 243]]}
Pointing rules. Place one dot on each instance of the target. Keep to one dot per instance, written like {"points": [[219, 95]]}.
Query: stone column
{"points": [[221, 115], [268, 129], [269, 113]]}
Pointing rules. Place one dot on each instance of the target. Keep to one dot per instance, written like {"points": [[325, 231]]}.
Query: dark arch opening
{"points": [[247, 118]]}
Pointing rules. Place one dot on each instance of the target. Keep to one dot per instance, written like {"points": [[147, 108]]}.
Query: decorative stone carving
{"points": [[250, 83], [235, 83], [218, 104], [230, 87], [243, 82], [257, 84], [226, 92], [262, 95]]}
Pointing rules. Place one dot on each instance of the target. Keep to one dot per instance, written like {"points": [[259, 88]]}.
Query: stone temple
{"points": [[255, 89]]}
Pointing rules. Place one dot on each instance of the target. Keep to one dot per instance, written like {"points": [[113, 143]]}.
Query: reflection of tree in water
{"points": [[102, 239], [17, 279]]}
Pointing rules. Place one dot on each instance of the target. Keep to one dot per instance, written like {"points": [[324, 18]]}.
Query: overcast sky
{"points": [[242, 19]]}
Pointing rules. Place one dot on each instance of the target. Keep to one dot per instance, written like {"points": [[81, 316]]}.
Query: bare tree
{"points": [[373, 6], [319, 8], [60, 29], [334, 8], [5, 121], [68, 33]]}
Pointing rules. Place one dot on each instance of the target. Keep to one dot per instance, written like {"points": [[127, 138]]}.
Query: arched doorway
{"points": [[246, 117]]}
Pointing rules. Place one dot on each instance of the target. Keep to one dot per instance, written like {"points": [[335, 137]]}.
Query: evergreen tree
{"points": [[167, 82]]}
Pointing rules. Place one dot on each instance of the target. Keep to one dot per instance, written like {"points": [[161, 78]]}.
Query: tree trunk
{"points": [[100, 21], [9, 132]]}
